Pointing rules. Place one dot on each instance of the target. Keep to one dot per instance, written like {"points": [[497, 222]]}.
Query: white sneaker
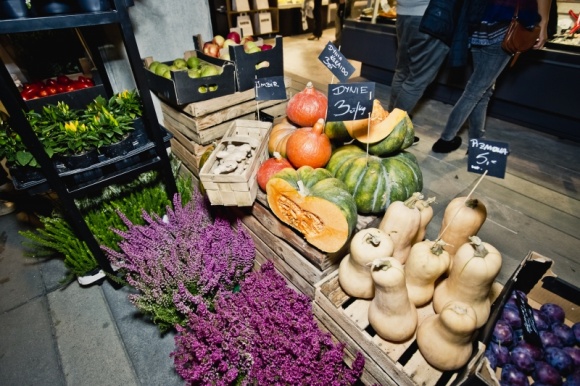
{"points": [[6, 207]]}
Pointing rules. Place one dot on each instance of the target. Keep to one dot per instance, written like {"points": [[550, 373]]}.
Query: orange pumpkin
{"points": [[309, 146], [279, 137], [270, 167], [307, 106]]}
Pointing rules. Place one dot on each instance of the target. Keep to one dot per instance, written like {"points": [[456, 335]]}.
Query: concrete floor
{"points": [[78, 336]]}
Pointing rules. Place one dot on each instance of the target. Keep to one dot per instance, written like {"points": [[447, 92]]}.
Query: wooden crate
{"points": [[237, 189], [200, 121], [390, 363], [190, 151], [299, 262]]}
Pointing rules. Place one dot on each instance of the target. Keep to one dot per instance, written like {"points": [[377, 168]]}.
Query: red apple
{"points": [[234, 36], [211, 49], [266, 47], [219, 40]]}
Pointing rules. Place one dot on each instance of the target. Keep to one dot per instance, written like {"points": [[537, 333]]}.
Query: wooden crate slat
{"points": [[420, 371], [381, 376], [185, 156], [197, 109], [292, 277], [285, 252], [358, 313]]}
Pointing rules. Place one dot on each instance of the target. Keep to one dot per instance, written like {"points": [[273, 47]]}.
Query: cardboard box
{"points": [[181, 89], [270, 63], [263, 22], [535, 277]]}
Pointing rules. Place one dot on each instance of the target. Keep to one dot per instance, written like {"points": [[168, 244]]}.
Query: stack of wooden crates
{"points": [[196, 126]]}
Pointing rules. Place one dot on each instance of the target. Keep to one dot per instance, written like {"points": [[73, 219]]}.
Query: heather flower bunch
{"points": [[181, 260], [264, 334]]}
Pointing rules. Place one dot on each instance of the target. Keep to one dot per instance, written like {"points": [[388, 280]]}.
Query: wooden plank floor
{"points": [[535, 207]]}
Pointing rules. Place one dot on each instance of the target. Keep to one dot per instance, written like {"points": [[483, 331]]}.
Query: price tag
{"points": [[270, 88], [487, 155], [350, 101], [335, 61]]}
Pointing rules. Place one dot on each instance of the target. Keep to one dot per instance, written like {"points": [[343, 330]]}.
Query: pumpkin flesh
{"points": [[315, 204]]}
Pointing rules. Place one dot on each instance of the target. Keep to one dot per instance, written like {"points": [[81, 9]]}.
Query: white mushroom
{"points": [[227, 166]]}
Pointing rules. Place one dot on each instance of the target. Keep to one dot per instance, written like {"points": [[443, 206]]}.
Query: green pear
{"points": [[193, 62], [153, 65], [161, 68], [194, 73], [209, 70], [180, 63]]}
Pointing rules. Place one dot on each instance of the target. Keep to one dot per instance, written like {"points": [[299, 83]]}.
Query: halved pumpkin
{"points": [[380, 125], [314, 203]]}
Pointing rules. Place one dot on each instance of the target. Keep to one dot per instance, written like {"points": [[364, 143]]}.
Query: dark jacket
{"points": [[452, 21]]}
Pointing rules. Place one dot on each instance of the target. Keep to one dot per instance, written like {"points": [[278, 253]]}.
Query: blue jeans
{"points": [[488, 63], [419, 57]]}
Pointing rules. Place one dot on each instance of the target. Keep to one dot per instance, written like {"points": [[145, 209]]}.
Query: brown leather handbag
{"points": [[518, 38]]}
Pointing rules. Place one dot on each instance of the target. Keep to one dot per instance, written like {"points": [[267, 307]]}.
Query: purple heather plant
{"points": [[264, 334], [182, 260]]}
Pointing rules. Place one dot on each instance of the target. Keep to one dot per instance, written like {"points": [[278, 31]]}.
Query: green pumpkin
{"points": [[400, 138], [315, 203], [376, 182]]}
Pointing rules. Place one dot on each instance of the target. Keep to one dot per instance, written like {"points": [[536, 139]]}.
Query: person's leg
{"points": [[488, 63], [405, 28], [338, 22], [426, 55], [317, 18]]}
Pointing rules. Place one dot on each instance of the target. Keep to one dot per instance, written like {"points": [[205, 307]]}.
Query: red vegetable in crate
{"points": [[270, 167], [306, 107]]}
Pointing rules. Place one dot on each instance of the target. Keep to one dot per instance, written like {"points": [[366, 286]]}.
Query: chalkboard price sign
{"points": [[350, 101], [270, 88], [487, 155], [335, 61]]}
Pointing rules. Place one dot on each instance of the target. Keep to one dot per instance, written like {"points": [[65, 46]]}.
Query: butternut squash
{"points": [[391, 314], [401, 221], [426, 263], [445, 339], [463, 217], [354, 274], [426, 210], [475, 267]]}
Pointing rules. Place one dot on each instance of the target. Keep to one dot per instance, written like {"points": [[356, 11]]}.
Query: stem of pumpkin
{"points": [[372, 239], [301, 188], [411, 201], [480, 250], [437, 248]]}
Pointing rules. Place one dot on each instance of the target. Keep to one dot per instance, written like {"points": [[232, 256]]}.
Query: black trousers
{"points": [[317, 30]]}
